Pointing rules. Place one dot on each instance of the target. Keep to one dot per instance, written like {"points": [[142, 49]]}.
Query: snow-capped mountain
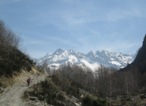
{"points": [[92, 60]]}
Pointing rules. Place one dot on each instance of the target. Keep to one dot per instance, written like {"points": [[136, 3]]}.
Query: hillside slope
{"points": [[12, 96], [139, 62], [12, 59]]}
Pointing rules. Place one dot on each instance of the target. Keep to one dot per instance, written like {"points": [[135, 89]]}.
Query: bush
{"points": [[93, 101], [47, 91]]}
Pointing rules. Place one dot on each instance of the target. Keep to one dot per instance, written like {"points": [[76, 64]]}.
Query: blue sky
{"points": [[81, 25]]}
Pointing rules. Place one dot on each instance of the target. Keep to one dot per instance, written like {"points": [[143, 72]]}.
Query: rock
{"points": [[33, 98], [143, 96]]}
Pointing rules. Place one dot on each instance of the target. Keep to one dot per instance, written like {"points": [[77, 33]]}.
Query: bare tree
{"points": [[11, 58], [7, 36]]}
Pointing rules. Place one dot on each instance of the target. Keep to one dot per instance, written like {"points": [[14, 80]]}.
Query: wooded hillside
{"points": [[11, 58]]}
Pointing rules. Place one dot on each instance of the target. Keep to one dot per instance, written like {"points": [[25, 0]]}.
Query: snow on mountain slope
{"points": [[92, 66], [110, 59], [92, 60]]}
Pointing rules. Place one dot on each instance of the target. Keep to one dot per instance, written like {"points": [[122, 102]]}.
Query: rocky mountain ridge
{"points": [[92, 60]]}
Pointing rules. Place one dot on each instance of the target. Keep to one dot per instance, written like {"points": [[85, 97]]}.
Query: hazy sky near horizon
{"points": [[81, 25]]}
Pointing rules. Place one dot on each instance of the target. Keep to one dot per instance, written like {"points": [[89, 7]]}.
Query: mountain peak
{"points": [[144, 41], [140, 60], [91, 52], [59, 51], [72, 51], [108, 59]]}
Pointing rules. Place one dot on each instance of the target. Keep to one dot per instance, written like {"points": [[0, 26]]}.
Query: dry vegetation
{"points": [[12, 60], [17, 77], [105, 87]]}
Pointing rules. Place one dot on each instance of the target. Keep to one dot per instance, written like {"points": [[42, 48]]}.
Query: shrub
{"points": [[93, 101], [47, 91]]}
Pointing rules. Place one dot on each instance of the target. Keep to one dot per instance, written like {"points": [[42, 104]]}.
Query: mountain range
{"points": [[92, 60]]}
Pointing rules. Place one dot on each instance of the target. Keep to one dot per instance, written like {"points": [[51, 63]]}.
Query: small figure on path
{"points": [[28, 81]]}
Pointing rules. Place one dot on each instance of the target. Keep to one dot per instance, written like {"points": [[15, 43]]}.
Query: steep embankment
{"points": [[12, 96], [12, 59], [12, 62], [139, 63]]}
